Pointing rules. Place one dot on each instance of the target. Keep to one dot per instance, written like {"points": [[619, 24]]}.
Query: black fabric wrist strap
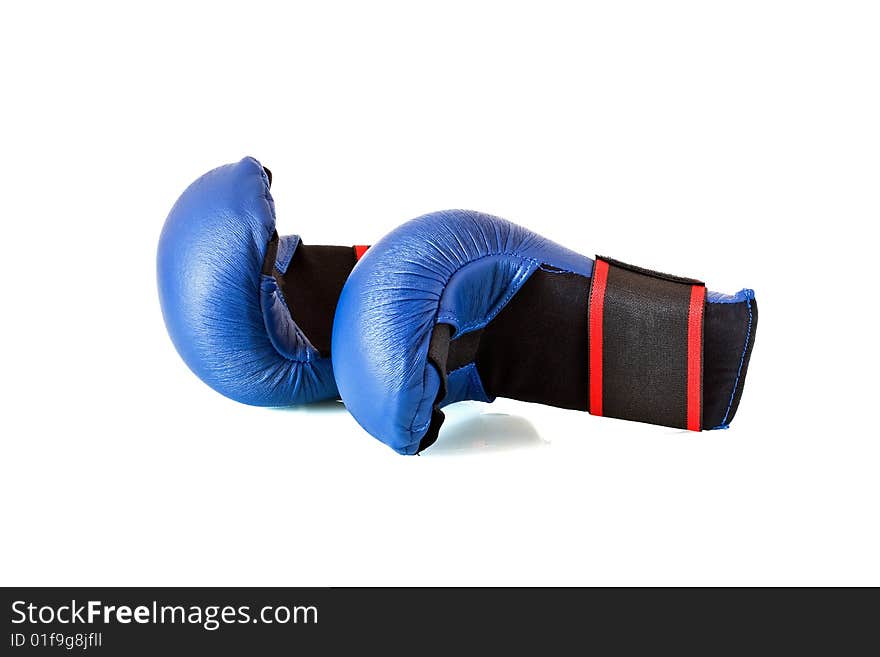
{"points": [[539, 347], [645, 345]]}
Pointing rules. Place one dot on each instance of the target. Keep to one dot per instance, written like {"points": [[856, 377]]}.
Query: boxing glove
{"points": [[249, 312], [460, 305]]}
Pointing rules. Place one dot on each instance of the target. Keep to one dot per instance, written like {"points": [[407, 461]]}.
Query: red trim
{"points": [[597, 308], [359, 251], [695, 359]]}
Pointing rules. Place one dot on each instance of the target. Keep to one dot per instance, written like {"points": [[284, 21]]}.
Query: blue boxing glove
{"points": [[459, 305], [249, 312]]}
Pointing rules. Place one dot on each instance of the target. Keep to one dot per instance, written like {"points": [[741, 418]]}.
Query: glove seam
{"points": [[501, 304], [270, 203], [723, 424], [296, 328], [412, 429], [276, 291]]}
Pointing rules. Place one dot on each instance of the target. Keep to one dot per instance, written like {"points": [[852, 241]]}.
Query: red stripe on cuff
{"points": [[695, 359], [359, 251], [597, 307]]}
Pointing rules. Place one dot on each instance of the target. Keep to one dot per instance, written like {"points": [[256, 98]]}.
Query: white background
{"points": [[736, 142]]}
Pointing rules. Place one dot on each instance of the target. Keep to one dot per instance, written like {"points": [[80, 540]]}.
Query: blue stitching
{"points": [[283, 257], [515, 287], [742, 360], [276, 291], [524, 276]]}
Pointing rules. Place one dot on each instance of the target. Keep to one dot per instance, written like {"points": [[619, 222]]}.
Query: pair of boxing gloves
{"points": [[451, 306]]}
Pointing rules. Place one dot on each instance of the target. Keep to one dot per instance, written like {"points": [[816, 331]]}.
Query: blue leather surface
{"points": [[230, 324], [719, 297], [286, 248], [464, 384], [457, 267]]}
